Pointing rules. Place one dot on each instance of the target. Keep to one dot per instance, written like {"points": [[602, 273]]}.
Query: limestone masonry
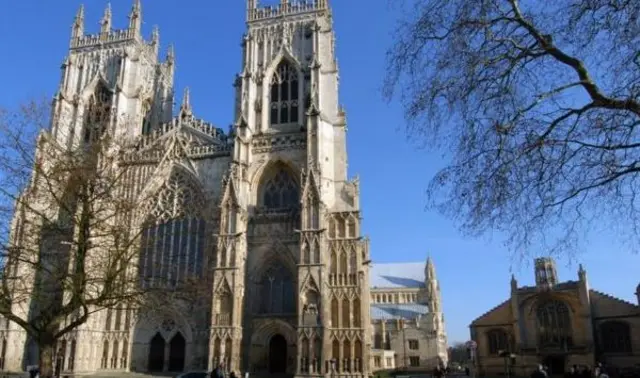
{"points": [[266, 210]]}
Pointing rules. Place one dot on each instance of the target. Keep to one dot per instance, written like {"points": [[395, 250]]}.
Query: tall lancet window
{"points": [[173, 240], [284, 101], [146, 118], [98, 114], [277, 294]]}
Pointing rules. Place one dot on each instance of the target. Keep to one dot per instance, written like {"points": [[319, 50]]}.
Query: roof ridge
{"points": [[489, 311], [613, 297]]}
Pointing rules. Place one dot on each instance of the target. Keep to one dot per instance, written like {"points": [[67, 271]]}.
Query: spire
{"points": [[155, 40], [430, 270], [185, 108], [78, 23], [251, 6], [171, 55], [514, 283], [135, 17], [105, 22], [432, 286], [582, 274], [155, 35]]}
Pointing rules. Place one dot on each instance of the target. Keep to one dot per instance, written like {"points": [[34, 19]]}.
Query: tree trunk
{"points": [[45, 363]]}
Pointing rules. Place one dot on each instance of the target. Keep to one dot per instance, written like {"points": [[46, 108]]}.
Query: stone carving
{"points": [[168, 325]]}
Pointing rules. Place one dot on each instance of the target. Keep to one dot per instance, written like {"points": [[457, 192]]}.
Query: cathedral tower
{"points": [[265, 215], [114, 79], [290, 280], [435, 317]]}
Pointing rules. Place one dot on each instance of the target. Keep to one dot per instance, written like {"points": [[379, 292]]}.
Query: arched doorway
{"points": [[277, 354], [156, 353], [177, 352], [556, 365]]}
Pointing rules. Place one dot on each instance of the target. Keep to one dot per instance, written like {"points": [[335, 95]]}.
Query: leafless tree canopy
{"points": [[538, 102], [71, 232]]}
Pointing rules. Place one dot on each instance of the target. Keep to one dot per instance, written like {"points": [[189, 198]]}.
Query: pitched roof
{"points": [[389, 311], [487, 315], [397, 275], [596, 293]]}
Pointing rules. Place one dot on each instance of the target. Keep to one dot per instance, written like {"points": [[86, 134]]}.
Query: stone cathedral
{"points": [[272, 218]]}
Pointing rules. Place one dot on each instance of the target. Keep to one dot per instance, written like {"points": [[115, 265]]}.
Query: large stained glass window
{"points": [[173, 239], [554, 324]]}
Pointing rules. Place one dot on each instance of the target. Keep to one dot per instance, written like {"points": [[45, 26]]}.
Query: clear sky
{"points": [[474, 273]]}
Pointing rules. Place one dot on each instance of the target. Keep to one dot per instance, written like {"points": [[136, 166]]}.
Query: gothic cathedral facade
{"points": [[264, 215], [274, 219]]}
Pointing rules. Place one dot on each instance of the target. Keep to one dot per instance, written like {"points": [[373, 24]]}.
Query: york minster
{"points": [[264, 213]]}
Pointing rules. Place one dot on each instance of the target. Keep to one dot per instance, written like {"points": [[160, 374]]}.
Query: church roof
{"points": [[388, 311], [397, 275]]}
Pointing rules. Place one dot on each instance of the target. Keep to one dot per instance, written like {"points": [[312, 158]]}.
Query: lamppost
{"points": [[471, 347], [509, 360]]}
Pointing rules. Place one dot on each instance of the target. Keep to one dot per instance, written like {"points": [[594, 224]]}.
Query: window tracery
{"points": [[616, 337], [277, 291], [280, 191], [98, 114], [554, 324], [284, 96], [172, 246], [497, 340]]}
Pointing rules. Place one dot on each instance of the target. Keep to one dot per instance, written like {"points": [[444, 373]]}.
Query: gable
{"points": [[499, 315], [197, 138], [608, 306]]}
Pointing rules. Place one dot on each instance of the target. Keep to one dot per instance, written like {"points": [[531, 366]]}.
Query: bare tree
{"points": [[72, 242], [458, 353], [538, 102]]}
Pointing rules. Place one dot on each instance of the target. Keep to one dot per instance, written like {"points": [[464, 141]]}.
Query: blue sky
{"points": [[474, 273]]}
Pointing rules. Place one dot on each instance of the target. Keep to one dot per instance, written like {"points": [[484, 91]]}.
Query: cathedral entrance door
{"points": [[277, 354], [156, 353], [556, 365], [176, 353]]}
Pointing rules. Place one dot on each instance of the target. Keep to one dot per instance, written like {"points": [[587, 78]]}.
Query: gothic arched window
{"points": [[616, 337], [497, 340], [554, 324], [146, 118], [280, 191], [277, 291], [172, 247], [284, 98], [97, 114]]}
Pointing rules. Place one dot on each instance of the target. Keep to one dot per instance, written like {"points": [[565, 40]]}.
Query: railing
{"points": [[222, 320], [343, 279], [310, 365], [345, 365], [291, 7], [109, 37]]}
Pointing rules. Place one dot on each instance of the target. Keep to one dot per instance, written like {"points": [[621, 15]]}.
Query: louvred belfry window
{"points": [[284, 99], [98, 114]]}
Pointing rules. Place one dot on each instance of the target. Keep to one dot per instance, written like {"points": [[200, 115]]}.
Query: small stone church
{"points": [[557, 324], [266, 212]]}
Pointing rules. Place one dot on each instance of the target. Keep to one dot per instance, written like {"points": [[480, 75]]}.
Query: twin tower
{"points": [[265, 212]]}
